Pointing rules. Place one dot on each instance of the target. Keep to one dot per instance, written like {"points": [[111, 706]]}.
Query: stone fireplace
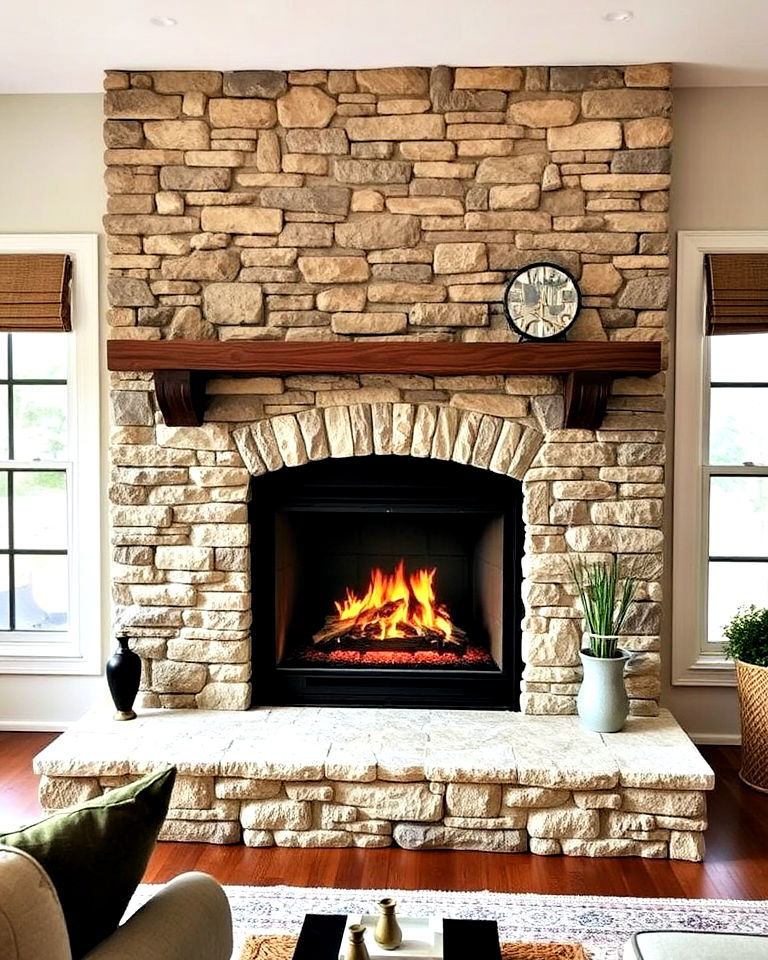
{"points": [[381, 207]]}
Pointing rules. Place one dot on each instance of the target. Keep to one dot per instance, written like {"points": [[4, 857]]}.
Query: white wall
{"points": [[51, 181], [719, 182]]}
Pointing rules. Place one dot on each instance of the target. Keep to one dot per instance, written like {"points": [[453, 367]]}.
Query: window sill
{"points": [[706, 671]]}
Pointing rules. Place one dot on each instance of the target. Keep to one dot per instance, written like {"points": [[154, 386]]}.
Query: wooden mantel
{"points": [[181, 367]]}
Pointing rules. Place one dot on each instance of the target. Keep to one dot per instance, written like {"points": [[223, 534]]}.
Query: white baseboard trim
{"points": [[34, 726], [716, 739]]}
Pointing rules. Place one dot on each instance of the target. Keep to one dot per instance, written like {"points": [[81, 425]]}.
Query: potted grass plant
{"points": [[606, 597], [747, 646]]}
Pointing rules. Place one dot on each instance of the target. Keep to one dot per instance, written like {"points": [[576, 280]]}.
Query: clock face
{"points": [[541, 301]]}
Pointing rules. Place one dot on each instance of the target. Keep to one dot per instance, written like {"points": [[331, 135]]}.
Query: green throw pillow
{"points": [[96, 854]]}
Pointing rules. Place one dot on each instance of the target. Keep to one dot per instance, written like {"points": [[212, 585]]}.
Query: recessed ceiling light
{"points": [[163, 21], [618, 16]]}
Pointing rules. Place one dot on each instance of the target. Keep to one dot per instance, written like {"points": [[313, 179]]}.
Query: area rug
{"points": [[280, 947], [601, 924]]}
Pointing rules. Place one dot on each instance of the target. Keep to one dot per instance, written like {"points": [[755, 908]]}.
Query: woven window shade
{"points": [[34, 291], [737, 292]]}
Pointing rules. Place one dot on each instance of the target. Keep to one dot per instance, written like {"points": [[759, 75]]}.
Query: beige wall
{"points": [[718, 183], [50, 182]]}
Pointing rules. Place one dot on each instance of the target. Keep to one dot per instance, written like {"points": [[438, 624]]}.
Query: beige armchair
{"points": [[188, 919]]}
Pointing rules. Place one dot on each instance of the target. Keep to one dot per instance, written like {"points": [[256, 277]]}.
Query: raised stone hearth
{"points": [[418, 779]]}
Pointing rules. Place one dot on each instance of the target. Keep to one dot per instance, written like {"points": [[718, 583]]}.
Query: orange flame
{"points": [[397, 605]]}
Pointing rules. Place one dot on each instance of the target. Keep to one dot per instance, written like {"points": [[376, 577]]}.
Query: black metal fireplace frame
{"points": [[384, 484]]}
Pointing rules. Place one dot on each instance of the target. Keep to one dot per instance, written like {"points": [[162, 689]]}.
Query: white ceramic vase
{"points": [[602, 703]]}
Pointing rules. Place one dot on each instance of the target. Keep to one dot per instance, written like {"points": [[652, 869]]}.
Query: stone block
{"points": [[330, 200], [488, 78], [428, 126], [536, 797], [56, 793], [524, 169], [654, 850], [561, 822], [334, 269], [460, 257], [670, 803], [543, 113], [589, 135], [305, 107], [473, 800], [391, 801], [242, 788], [200, 831], [212, 265], [195, 793], [418, 836], [394, 81], [379, 231], [234, 303], [276, 814], [255, 83], [251, 113], [258, 838], [626, 103], [312, 838], [140, 105], [245, 219]]}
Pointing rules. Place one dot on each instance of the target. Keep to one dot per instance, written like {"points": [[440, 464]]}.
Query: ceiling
{"points": [[50, 46]]}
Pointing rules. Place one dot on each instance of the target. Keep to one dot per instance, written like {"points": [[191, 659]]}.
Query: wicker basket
{"points": [[753, 700]]}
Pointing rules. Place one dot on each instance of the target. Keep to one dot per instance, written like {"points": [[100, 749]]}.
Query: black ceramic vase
{"points": [[123, 677]]}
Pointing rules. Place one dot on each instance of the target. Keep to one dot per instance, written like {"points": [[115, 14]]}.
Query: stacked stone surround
{"points": [[309, 777], [380, 205]]}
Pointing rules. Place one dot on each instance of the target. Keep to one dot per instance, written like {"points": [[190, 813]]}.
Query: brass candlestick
{"points": [[388, 933]]}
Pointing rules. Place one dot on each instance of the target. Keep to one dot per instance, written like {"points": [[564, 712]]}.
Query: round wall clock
{"points": [[541, 301]]}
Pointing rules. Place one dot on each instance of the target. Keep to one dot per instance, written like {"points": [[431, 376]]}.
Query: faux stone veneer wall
{"points": [[384, 205]]}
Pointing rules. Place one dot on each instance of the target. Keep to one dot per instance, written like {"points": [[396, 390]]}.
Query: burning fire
{"points": [[395, 606]]}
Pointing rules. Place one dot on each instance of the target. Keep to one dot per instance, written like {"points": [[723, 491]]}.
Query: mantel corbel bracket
{"points": [[181, 396], [586, 399]]}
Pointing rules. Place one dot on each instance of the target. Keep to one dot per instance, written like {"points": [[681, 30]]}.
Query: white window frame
{"points": [[692, 665], [78, 650]]}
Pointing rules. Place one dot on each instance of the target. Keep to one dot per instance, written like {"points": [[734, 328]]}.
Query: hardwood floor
{"points": [[736, 865]]}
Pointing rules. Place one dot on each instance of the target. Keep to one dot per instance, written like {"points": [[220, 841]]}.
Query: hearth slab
{"points": [[337, 776]]}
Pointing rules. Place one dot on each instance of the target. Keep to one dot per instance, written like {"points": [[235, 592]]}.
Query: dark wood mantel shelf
{"points": [[181, 367]]}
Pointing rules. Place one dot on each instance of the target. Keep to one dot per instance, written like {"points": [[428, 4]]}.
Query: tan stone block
{"points": [[562, 822], [405, 293], [312, 838], [524, 169], [449, 315], [391, 801], [518, 197], [595, 135], [543, 113], [417, 836], [647, 132], [684, 845], [428, 150], [233, 303], [349, 170], [334, 269], [637, 222], [187, 81], [200, 831], [394, 81], [670, 803], [460, 257], [305, 107], [473, 800], [491, 404], [369, 323], [626, 103], [241, 219], [488, 78], [600, 279], [379, 231], [140, 105], [258, 838], [597, 799], [625, 181], [408, 127], [600, 243], [444, 171], [276, 814], [250, 112], [224, 696], [426, 206], [56, 793], [178, 134], [614, 848], [342, 299], [367, 201], [648, 75]]}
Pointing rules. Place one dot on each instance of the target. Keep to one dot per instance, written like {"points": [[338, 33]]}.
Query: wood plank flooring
{"points": [[736, 865]]}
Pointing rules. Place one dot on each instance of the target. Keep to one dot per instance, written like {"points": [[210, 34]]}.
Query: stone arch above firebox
{"points": [[441, 432]]}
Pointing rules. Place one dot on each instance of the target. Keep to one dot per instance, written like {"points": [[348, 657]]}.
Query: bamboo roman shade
{"points": [[34, 291], [737, 292]]}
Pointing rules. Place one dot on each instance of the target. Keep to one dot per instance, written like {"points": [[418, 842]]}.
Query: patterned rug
{"points": [[280, 947], [601, 924]]}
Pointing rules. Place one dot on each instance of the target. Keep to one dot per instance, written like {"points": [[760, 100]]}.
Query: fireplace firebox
{"points": [[386, 580]]}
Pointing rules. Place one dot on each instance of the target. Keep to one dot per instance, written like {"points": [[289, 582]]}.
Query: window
{"points": [[720, 540], [49, 480]]}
